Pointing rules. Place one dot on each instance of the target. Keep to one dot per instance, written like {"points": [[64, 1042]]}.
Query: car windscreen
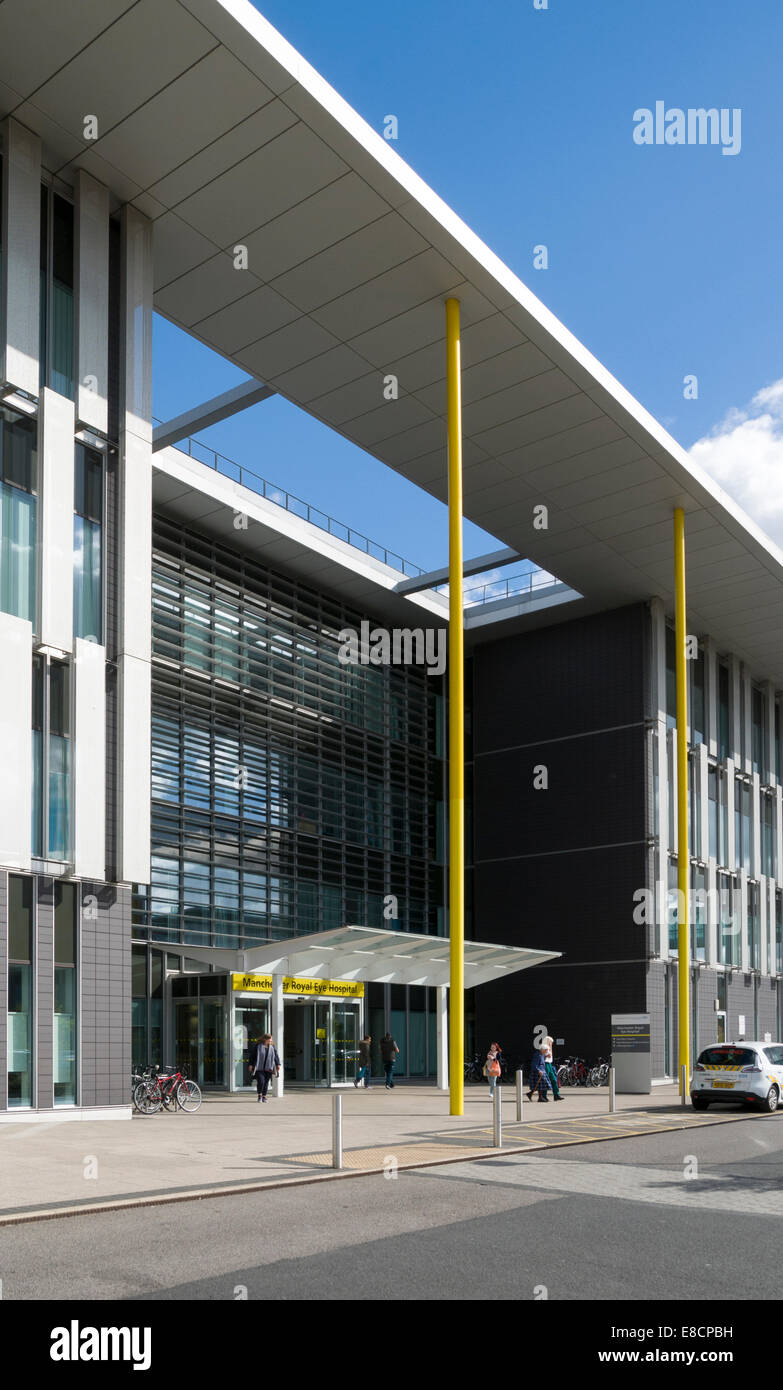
{"points": [[725, 1056]]}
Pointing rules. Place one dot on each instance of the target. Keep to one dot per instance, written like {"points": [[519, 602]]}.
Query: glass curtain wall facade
{"points": [[734, 819], [290, 793]]}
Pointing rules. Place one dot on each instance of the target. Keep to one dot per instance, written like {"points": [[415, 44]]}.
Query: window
{"points": [[768, 837], [778, 932], [712, 793], [699, 913], [88, 545], [777, 740], [671, 678], [758, 743], [729, 919], [724, 742], [20, 991], [18, 485], [56, 315], [754, 927], [672, 914], [742, 800], [51, 722], [697, 696], [64, 994]]}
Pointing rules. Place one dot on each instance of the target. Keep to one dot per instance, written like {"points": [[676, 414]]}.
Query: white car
{"points": [[745, 1072]]}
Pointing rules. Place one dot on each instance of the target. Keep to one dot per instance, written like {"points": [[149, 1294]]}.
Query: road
{"points": [[673, 1215]]}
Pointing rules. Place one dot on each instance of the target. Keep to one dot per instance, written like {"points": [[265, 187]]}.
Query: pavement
{"points": [[233, 1144], [674, 1215]]}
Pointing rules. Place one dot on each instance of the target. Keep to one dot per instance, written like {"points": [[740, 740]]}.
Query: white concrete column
{"points": [[278, 1029], [744, 951], [92, 301], [713, 916], [89, 760], [731, 837], [135, 549], [755, 822], [769, 732], [747, 722], [16, 741], [442, 1016], [711, 682], [55, 551], [735, 745], [703, 792], [779, 836], [20, 290]]}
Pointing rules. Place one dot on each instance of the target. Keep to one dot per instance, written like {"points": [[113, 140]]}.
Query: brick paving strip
{"points": [[436, 1150]]}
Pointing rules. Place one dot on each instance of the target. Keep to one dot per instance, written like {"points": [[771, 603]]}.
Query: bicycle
{"points": [[173, 1089], [474, 1069], [599, 1074]]}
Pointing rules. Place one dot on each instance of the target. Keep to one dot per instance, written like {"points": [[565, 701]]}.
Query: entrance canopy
{"points": [[374, 956]]}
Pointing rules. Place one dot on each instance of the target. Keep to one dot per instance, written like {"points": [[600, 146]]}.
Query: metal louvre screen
{"points": [[290, 793]]}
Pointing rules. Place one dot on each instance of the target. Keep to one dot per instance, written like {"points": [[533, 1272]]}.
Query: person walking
{"points": [[364, 1063], [551, 1071], [389, 1050], [492, 1067], [539, 1081], [267, 1062]]}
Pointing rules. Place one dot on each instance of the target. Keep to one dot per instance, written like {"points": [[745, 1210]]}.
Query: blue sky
{"points": [[664, 260]]}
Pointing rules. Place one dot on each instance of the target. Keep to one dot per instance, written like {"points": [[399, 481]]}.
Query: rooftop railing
{"points": [[518, 585], [281, 497]]}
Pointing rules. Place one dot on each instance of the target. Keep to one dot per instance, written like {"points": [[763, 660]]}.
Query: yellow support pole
{"points": [[683, 862], [456, 719]]}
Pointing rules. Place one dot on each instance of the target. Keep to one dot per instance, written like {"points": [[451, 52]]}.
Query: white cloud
{"points": [[744, 454]]}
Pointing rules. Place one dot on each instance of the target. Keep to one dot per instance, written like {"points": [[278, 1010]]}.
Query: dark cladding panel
{"points": [[567, 679], [595, 795], [557, 868]]}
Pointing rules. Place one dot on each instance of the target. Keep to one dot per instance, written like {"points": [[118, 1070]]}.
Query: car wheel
{"points": [[770, 1101], [699, 1103]]}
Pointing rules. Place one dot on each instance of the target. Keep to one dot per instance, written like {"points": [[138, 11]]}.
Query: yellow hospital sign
{"points": [[310, 989]]}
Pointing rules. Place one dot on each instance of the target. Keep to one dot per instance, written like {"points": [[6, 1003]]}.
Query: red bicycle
{"points": [[172, 1089]]}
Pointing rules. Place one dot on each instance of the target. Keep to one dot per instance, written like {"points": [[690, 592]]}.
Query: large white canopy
{"points": [[214, 127], [374, 956]]}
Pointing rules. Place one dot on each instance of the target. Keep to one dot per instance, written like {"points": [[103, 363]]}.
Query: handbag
{"points": [[485, 1070]]}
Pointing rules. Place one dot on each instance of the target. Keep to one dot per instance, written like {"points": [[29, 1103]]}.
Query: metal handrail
{"points": [[281, 497], [517, 585]]}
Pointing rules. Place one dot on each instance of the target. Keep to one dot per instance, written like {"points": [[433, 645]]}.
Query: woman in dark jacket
{"points": [[389, 1050], [538, 1080], [267, 1062], [363, 1073]]}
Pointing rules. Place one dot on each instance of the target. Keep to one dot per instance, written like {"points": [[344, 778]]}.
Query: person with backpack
{"points": [[492, 1067], [389, 1050], [267, 1062]]}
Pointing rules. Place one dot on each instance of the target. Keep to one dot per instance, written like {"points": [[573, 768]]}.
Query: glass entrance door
{"points": [[213, 1047], [321, 1041], [251, 1022], [345, 1042]]}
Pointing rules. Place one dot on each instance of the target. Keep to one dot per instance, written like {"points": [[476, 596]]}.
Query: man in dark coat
{"points": [[267, 1063]]}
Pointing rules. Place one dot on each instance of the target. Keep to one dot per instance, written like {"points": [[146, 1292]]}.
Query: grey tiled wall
{"points": [[44, 996], [105, 995]]}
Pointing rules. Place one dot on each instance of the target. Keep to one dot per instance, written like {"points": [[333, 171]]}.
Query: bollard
{"points": [[497, 1120], [683, 1085], [611, 1091], [337, 1130], [520, 1089]]}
